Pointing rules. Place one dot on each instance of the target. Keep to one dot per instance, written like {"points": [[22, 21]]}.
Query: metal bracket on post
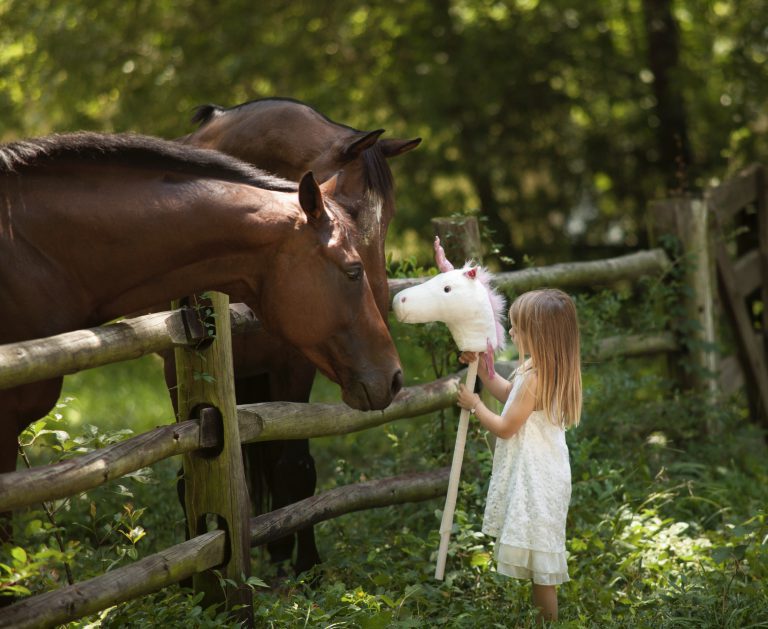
{"points": [[214, 477]]}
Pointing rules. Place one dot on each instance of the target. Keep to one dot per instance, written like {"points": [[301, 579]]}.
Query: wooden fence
{"points": [[725, 238], [209, 434], [210, 430]]}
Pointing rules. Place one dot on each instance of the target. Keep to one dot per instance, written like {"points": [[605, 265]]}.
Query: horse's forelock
{"points": [[342, 220], [378, 175]]}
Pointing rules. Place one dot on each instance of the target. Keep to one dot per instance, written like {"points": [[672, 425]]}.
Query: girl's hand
{"points": [[466, 398], [469, 357]]}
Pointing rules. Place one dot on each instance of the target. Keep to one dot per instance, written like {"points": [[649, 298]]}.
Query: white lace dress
{"points": [[528, 500]]}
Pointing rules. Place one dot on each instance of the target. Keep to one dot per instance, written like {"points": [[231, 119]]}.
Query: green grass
{"points": [[123, 395]]}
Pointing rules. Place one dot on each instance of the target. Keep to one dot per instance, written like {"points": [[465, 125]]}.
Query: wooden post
{"points": [[460, 238], [689, 220], [216, 494], [693, 227]]}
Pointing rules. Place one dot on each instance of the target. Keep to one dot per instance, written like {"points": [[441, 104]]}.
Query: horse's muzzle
{"points": [[371, 394]]}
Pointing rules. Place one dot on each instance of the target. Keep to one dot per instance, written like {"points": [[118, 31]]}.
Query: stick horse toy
{"points": [[464, 300]]}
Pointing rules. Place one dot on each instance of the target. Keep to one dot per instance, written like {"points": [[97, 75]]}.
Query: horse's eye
{"points": [[355, 273], [447, 289]]}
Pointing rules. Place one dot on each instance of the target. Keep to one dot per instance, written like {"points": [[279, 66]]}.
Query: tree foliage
{"points": [[552, 118]]}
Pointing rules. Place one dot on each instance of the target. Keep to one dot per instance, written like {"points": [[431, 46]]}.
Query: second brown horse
{"points": [[287, 138]]}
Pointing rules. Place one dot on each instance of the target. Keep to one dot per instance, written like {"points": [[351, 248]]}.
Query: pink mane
{"points": [[498, 304]]}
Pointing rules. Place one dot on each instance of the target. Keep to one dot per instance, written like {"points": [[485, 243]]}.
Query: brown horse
{"points": [[287, 138], [95, 226]]}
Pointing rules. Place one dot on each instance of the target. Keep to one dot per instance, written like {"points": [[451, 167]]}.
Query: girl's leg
{"points": [[545, 599]]}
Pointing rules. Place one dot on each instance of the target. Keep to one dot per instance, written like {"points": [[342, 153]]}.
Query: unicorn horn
{"points": [[440, 259]]}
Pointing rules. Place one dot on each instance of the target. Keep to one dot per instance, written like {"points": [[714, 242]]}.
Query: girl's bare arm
{"points": [[506, 425], [499, 387]]}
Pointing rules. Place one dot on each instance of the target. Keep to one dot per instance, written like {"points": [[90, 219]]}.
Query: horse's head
{"points": [[318, 298], [289, 138], [462, 299]]}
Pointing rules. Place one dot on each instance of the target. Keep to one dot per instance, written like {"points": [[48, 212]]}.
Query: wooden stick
{"points": [[453, 482]]}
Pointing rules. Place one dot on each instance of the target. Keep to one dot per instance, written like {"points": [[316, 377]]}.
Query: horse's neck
{"points": [[146, 241], [285, 142]]}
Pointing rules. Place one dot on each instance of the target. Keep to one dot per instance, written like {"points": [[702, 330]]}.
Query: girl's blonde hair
{"points": [[547, 328]]}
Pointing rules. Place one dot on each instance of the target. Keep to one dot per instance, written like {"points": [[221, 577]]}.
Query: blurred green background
{"points": [[556, 120]]}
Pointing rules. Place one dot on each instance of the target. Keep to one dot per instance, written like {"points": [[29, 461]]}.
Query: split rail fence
{"points": [[211, 428]]}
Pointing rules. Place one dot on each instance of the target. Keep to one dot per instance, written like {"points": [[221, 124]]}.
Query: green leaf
{"points": [[19, 554]]}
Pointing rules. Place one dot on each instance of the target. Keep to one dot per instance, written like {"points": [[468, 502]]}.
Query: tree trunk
{"points": [[663, 40]]}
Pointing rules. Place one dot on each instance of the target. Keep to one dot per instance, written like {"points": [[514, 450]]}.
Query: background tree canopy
{"points": [[557, 120]]}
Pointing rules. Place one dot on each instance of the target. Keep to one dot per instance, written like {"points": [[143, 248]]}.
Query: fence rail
{"points": [[208, 550], [63, 354]]}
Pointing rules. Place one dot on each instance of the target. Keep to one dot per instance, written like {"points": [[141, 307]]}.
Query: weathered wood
{"points": [[692, 217], [268, 421], [748, 271], [38, 359], [67, 478], [737, 277], [761, 204], [736, 193], [570, 274], [731, 377], [341, 500], [754, 354], [208, 550], [634, 345], [215, 481], [460, 238], [142, 577]]}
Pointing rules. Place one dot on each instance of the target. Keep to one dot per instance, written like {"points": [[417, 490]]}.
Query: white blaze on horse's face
{"points": [[458, 299]]}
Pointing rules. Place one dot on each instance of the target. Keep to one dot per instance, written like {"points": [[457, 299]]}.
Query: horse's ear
{"points": [[311, 197], [393, 148], [471, 273], [360, 141], [328, 187]]}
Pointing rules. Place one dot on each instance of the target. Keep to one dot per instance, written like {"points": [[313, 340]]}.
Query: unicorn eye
{"points": [[447, 289]]}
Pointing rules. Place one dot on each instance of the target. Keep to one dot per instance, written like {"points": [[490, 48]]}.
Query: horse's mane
{"points": [[134, 150], [378, 176]]}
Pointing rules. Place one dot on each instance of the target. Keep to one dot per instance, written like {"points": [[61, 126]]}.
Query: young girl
{"points": [[530, 485]]}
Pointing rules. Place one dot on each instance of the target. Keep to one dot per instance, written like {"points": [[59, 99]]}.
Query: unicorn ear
{"points": [[471, 273]]}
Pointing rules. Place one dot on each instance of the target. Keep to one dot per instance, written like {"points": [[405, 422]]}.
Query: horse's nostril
{"points": [[402, 300], [397, 382]]}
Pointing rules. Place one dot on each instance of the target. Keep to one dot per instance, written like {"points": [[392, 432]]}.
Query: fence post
{"points": [[688, 219], [460, 238], [216, 495]]}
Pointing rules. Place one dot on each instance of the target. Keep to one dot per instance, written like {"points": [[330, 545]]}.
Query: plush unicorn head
{"points": [[461, 298]]}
